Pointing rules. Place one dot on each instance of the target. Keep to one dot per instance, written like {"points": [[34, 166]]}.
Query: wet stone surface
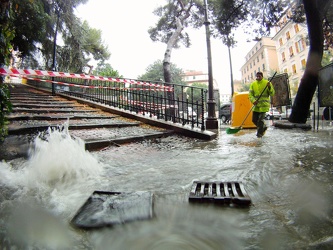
{"points": [[27, 121]]}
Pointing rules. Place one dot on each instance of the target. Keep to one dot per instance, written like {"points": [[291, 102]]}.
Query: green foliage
{"points": [[36, 24], [81, 43], [106, 70], [228, 16], [258, 17], [187, 12], [327, 58], [154, 72], [5, 108], [6, 33], [244, 87], [6, 36], [32, 24], [194, 94]]}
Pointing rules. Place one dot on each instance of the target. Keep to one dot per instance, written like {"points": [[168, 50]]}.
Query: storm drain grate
{"points": [[219, 192]]}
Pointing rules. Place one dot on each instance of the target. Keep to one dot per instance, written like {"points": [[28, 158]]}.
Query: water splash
{"points": [[61, 167], [56, 178]]}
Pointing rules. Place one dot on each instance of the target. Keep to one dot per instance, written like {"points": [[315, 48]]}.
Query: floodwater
{"points": [[288, 175]]}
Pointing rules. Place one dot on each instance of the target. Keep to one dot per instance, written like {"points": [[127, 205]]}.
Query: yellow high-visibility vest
{"points": [[256, 88]]}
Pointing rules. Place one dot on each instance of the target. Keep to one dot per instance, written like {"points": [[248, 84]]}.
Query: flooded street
{"points": [[288, 175]]}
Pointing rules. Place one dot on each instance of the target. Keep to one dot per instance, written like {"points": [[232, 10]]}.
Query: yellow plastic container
{"points": [[240, 108]]}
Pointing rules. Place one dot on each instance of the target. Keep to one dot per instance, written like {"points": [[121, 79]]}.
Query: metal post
{"points": [[211, 121], [55, 50], [231, 75]]}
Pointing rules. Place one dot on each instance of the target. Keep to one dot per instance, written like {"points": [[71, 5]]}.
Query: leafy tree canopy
{"points": [[36, 24], [106, 70], [154, 72], [177, 13]]}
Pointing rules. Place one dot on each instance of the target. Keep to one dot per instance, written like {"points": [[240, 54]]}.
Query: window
{"points": [[262, 55], [258, 69], [250, 65], [296, 27], [254, 62], [300, 45], [281, 41], [257, 58], [263, 66], [288, 35], [297, 47], [255, 72], [303, 63], [291, 51], [283, 56], [294, 68]]}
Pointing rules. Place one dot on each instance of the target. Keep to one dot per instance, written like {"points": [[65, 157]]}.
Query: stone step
{"points": [[17, 129]]}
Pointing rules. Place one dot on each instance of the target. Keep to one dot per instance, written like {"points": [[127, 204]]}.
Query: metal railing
{"points": [[181, 104]]}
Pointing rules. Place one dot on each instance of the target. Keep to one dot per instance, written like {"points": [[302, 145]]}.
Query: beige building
{"points": [[292, 49], [193, 76], [262, 57]]}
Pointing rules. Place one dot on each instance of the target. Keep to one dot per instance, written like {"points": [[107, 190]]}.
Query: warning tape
{"points": [[29, 72], [92, 86]]}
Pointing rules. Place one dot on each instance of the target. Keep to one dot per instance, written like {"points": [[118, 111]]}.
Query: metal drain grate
{"points": [[219, 192]]}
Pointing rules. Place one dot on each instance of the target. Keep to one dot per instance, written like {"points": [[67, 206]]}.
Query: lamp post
{"points": [[211, 121], [55, 49], [231, 75]]}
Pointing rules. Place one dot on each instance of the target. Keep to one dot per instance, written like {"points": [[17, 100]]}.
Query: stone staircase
{"points": [[35, 111]]}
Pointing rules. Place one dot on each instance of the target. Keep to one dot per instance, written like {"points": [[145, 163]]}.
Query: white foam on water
{"points": [[58, 173], [46, 190]]}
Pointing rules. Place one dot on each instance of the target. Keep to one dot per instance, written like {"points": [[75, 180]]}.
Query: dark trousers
{"points": [[258, 118]]}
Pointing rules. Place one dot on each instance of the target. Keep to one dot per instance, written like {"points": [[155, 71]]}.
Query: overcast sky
{"points": [[125, 25]]}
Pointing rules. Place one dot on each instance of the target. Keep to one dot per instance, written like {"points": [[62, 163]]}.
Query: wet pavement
{"points": [[288, 174]]}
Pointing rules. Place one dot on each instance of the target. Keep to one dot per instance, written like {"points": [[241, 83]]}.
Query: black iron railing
{"points": [[171, 102]]}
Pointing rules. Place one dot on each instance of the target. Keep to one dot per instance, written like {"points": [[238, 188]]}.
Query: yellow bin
{"points": [[240, 108]]}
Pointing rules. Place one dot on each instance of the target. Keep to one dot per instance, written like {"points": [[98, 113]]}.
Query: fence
{"points": [[171, 102]]}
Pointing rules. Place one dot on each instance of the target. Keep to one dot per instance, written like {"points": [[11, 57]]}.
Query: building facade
{"points": [[285, 52], [262, 57], [292, 49], [193, 76]]}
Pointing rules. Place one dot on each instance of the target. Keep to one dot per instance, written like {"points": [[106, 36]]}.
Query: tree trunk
{"points": [[167, 58], [167, 55], [309, 81]]}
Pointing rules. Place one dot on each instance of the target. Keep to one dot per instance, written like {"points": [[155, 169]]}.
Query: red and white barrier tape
{"points": [[91, 86], [29, 72]]}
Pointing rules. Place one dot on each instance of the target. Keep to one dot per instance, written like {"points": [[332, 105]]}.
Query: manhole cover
{"points": [[219, 192], [104, 208]]}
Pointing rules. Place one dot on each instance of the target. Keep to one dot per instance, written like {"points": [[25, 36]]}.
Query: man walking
{"points": [[261, 103]]}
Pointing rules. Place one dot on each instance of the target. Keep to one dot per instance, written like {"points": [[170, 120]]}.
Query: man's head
{"points": [[259, 76]]}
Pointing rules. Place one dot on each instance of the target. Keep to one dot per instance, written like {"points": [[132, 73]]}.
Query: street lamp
{"points": [[230, 63], [211, 121], [55, 46]]}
